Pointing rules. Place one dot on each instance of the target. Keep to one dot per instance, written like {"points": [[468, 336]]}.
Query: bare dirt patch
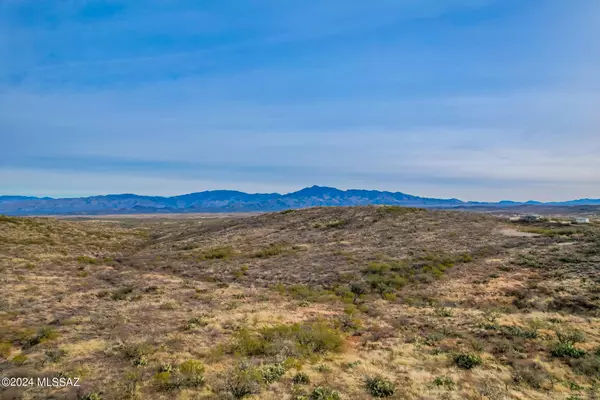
{"points": [[516, 233]]}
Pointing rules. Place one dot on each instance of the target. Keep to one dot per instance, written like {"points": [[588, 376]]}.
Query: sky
{"points": [[472, 99]]}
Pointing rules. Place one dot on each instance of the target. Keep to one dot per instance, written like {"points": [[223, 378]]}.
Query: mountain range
{"points": [[235, 201]]}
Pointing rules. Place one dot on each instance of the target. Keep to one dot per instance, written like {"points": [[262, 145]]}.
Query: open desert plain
{"points": [[323, 303]]}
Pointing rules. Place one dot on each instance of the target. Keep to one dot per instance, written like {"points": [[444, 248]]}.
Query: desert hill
{"points": [[320, 303]]}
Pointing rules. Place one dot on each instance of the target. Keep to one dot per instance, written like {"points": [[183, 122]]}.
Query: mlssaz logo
{"points": [[57, 382]]}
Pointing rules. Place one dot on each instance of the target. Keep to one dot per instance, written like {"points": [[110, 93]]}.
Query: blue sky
{"points": [[474, 99]]}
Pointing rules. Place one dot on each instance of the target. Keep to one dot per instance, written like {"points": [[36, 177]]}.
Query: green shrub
{"points": [[347, 323], [166, 368], [444, 312], [324, 393], [386, 283], [240, 273], [464, 258], [572, 336], [433, 338], [92, 396], [55, 355], [378, 386], [248, 343], [137, 353], [140, 362], [163, 380], [241, 381], [350, 309], [467, 360], [271, 250], [549, 232], [169, 305], [122, 293], [520, 332], [5, 349], [377, 268], [272, 373], [19, 359], [218, 253], [189, 374], [170, 380], [323, 368], [336, 223], [358, 289], [531, 374], [87, 260], [567, 350], [44, 334], [301, 379], [297, 339], [193, 323], [307, 293], [192, 373], [389, 296], [444, 381]]}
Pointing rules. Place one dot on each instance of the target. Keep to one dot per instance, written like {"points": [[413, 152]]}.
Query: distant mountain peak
{"points": [[315, 191]]}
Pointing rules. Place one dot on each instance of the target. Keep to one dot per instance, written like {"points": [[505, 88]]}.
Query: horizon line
{"points": [[296, 191]]}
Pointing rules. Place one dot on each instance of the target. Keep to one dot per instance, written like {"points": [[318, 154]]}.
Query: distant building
{"points": [[581, 220]]}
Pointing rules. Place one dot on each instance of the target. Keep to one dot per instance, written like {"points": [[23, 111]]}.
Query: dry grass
{"points": [[362, 302]]}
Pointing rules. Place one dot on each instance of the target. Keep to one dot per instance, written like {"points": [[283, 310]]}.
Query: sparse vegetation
{"points": [[271, 250], [137, 353], [530, 374], [272, 373], [242, 381], [301, 379], [550, 231], [87, 260], [92, 396], [565, 348], [218, 253], [55, 355], [5, 349], [324, 393], [444, 382], [189, 374], [301, 340], [398, 210], [303, 304], [44, 334], [516, 331], [122, 293], [467, 360], [378, 386]]}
